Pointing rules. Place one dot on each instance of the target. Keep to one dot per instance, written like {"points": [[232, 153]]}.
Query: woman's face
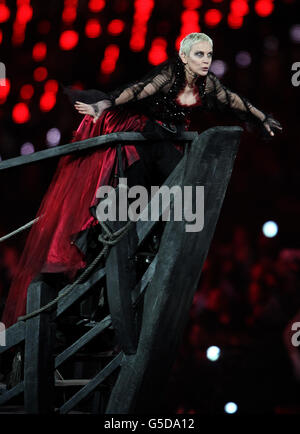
{"points": [[199, 59]]}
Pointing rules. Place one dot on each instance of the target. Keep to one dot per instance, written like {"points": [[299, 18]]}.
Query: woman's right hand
{"points": [[94, 110]]}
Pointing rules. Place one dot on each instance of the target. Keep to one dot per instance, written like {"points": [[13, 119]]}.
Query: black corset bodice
{"points": [[167, 108], [164, 105]]}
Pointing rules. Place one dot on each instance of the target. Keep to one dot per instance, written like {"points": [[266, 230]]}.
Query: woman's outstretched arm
{"points": [[241, 105], [156, 80]]}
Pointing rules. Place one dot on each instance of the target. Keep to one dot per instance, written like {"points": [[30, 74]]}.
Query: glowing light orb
{"points": [[270, 229], [53, 137], [213, 353], [230, 407]]}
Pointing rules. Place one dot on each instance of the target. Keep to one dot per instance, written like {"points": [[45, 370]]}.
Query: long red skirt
{"points": [[64, 210]]}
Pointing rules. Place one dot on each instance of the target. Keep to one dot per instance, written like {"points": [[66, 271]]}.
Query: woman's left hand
{"points": [[271, 125]]}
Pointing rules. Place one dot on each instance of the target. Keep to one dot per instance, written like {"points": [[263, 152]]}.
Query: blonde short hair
{"points": [[191, 39]]}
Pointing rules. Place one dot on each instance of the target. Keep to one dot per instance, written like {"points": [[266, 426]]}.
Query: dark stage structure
{"points": [[147, 336]]}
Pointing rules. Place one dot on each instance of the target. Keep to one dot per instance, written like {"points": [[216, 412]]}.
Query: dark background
{"points": [[249, 289]]}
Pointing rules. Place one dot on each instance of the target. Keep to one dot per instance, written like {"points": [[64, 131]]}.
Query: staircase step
{"points": [[72, 382], [12, 409]]}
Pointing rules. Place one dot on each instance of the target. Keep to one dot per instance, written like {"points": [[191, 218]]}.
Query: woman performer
{"points": [[161, 102]]}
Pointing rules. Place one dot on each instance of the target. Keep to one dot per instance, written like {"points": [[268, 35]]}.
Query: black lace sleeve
{"points": [[241, 106], [159, 79], [227, 99]]}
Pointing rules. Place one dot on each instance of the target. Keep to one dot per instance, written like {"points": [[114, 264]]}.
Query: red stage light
{"points": [[137, 41], [39, 51], [239, 7], [107, 66], [68, 40], [18, 27], [47, 101], [51, 86], [157, 53], [192, 4], [96, 5], [4, 13], [92, 28], [24, 13], [18, 37], [40, 73], [212, 17], [112, 52], [116, 27], [20, 113], [4, 90], [143, 9], [1, 36], [69, 14], [235, 21], [111, 56], [26, 91], [177, 42], [189, 16], [190, 22], [142, 13], [263, 8]]}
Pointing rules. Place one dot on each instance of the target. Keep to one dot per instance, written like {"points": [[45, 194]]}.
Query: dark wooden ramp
{"points": [[168, 298], [148, 315]]}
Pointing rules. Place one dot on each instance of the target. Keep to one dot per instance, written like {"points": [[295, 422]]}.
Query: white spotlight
{"points": [[53, 137], [27, 148], [218, 67], [243, 59], [230, 407], [213, 353], [295, 33], [270, 229]]}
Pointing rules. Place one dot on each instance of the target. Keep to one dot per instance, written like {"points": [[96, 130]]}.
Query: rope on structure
{"points": [[21, 229], [109, 239]]}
